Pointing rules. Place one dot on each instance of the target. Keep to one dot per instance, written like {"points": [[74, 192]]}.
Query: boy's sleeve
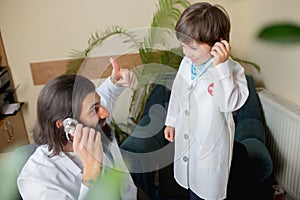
{"points": [[173, 111], [174, 103], [229, 86]]}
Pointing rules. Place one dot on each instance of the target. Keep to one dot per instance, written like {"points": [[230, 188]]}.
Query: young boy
{"points": [[208, 87]]}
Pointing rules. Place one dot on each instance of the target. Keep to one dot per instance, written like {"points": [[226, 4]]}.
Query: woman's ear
{"points": [[59, 123]]}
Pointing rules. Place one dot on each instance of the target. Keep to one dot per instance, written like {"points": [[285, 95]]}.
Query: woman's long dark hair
{"points": [[59, 99]]}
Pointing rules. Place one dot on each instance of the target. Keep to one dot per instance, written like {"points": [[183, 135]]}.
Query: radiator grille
{"points": [[283, 140]]}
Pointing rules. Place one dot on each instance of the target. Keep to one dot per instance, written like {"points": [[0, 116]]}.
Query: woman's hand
{"points": [[88, 147], [169, 133], [220, 52], [122, 77]]}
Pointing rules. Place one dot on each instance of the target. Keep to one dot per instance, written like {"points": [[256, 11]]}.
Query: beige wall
{"points": [[35, 30], [280, 64]]}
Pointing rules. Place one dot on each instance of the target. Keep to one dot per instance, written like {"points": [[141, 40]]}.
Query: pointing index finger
{"points": [[114, 64]]}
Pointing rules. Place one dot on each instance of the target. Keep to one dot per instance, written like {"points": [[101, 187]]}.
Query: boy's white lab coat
{"points": [[200, 110]]}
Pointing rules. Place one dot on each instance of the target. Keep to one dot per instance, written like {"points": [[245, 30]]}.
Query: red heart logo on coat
{"points": [[210, 89]]}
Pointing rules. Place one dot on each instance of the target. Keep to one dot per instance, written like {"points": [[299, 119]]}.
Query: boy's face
{"points": [[198, 53]]}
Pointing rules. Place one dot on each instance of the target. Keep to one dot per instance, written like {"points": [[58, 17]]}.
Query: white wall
{"points": [[280, 64], [35, 30]]}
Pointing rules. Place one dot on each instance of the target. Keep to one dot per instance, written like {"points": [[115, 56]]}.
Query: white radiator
{"points": [[283, 140]]}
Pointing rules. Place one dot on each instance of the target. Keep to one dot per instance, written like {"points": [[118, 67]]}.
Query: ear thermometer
{"points": [[69, 127]]}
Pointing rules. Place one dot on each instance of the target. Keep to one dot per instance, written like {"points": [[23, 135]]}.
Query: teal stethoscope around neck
{"points": [[199, 70]]}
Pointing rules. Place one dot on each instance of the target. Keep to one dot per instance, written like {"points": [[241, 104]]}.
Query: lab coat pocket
{"points": [[210, 160]]}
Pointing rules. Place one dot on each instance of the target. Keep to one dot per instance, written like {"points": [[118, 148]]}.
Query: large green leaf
{"points": [[164, 20], [281, 33], [154, 58], [96, 39]]}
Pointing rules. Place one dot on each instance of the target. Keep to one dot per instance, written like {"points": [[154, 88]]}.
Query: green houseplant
{"points": [[163, 22], [284, 33]]}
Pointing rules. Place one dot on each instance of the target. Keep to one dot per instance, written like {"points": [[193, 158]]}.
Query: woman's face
{"points": [[198, 53]]}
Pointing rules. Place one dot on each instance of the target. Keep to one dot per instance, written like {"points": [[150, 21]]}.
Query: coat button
{"points": [[185, 159], [187, 112], [186, 136]]}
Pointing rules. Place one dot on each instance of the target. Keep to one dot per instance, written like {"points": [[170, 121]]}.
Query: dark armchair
{"points": [[251, 169]]}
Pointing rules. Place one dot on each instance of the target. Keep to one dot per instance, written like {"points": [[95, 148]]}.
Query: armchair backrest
{"points": [[252, 108]]}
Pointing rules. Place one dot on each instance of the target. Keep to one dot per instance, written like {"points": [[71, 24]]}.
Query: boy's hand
{"points": [[221, 52], [169, 133]]}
